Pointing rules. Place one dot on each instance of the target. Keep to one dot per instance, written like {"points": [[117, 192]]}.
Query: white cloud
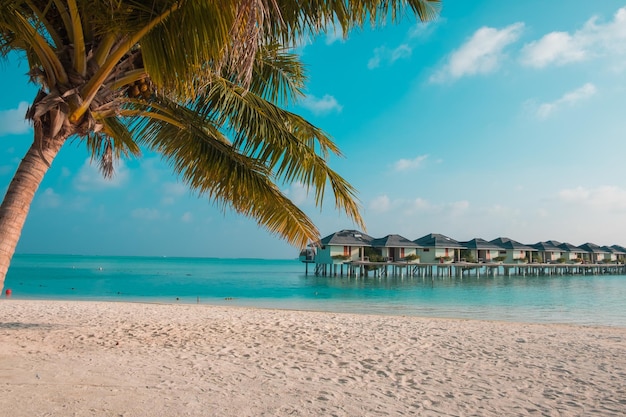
{"points": [[149, 214], [604, 198], [380, 204], [90, 178], [335, 35], [49, 199], [592, 40], [6, 169], [417, 205], [297, 193], [545, 110], [172, 191], [322, 105], [13, 121], [457, 208], [402, 51], [409, 164], [481, 54], [423, 30], [187, 217], [374, 62], [498, 210], [383, 53], [557, 47]]}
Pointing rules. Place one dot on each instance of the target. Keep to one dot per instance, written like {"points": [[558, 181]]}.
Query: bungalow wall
{"points": [[430, 255], [397, 254], [570, 256], [484, 255], [551, 256], [325, 253], [512, 255], [596, 257]]}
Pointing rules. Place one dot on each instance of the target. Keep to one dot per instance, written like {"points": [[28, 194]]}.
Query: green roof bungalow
{"points": [[513, 251], [548, 252], [621, 253], [572, 253], [395, 247], [342, 246], [595, 253], [612, 254], [481, 250], [435, 247]]}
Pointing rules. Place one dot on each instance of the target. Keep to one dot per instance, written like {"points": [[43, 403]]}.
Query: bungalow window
{"points": [[502, 253], [426, 250], [346, 251]]}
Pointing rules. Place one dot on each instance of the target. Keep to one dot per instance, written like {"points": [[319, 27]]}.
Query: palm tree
{"points": [[203, 82]]}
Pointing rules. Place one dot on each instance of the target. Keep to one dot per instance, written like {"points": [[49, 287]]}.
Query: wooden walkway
{"points": [[460, 269]]}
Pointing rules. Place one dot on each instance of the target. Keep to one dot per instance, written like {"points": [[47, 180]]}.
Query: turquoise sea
{"points": [[586, 300]]}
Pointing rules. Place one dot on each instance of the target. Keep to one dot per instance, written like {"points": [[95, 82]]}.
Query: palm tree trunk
{"points": [[19, 197]]}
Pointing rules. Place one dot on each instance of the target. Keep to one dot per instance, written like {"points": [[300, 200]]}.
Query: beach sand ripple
{"points": [[61, 358]]}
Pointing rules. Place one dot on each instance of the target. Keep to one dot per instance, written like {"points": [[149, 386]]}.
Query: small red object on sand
{"points": [[8, 292]]}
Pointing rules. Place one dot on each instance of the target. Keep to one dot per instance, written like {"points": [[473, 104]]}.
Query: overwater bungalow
{"points": [[595, 254], [513, 251], [342, 246], [394, 247], [573, 253], [436, 247], [349, 250], [621, 253], [547, 252], [612, 254], [480, 250]]}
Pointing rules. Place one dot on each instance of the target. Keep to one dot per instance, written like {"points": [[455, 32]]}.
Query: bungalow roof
{"points": [[546, 247], [610, 249], [436, 240], [592, 247], [554, 243], [480, 244], [393, 241], [347, 238], [621, 249], [506, 243], [568, 247]]}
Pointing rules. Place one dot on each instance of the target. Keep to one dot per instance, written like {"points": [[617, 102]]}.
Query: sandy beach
{"points": [[60, 358]]}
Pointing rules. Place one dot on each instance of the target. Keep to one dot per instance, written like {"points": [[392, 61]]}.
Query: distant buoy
{"points": [[8, 292]]}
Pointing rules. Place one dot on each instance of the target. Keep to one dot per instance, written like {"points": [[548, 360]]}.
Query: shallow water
{"points": [[587, 300]]}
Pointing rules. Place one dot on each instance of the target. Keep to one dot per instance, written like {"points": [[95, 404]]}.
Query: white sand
{"points": [[122, 359]]}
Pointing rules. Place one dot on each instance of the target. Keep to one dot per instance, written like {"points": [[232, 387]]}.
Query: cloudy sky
{"points": [[497, 119]]}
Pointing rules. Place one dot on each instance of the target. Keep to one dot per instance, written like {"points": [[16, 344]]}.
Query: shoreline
{"points": [[143, 359], [270, 305]]}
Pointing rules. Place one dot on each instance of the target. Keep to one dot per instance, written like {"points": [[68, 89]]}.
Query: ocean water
{"points": [[584, 300]]}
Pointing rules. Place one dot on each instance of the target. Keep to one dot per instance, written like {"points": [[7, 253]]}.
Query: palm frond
{"points": [[278, 76], [208, 164], [113, 142], [298, 19], [180, 56], [78, 38], [33, 42]]}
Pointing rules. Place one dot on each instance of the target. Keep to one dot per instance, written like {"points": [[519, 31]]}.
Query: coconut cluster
{"points": [[140, 89]]}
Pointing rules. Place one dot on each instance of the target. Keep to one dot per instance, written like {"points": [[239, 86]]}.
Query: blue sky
{"points": [[497, 119]]}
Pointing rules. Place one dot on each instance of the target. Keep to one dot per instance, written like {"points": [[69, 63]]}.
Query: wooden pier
{"points": [[461, 269]]}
